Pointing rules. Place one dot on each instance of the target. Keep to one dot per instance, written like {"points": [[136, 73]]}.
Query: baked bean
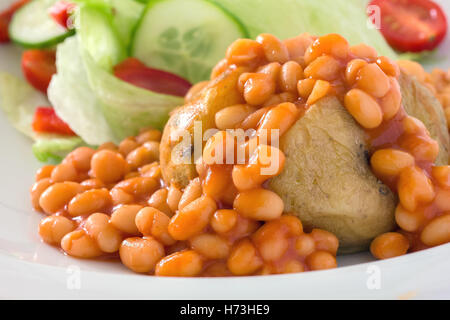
{"points": [[192, 219], [363, 51], [218, 69], [413, 126], [141, 254], [108, 238], [391, 102], [152, 222], [272, 69], [230, 117], [280, 98], [259, 204], [217, 181], [149, 135], [57, 196], [258, 88], [437, 231], [291, 73], [173, 197], [119, 196], [408, 221], [293, 266], [389, 245], [108, 166], [243, 259], [331, 44], [79, 244], [293, 224], [107, 146], [351, 72], [320, 90], [244, 51], [224, 220], [158, 200], [373, 80], [53, 228], [81, 158], [321, 260], [186, 263], [388, 66], [44, 172], [37, 190], [305, 245], [128, 145], [422, 147], [191, 192], [253, 120], [210, 246], [152, 170], [442, 175], [139, 186], [141, 156], [390, 162], [442, 200], [64, 172], [305, 87], [413, 68], [95, 223], [89, 202], [92, 184], [271, 241], [281, 118], [265, 163], [414, 188], [274, 49], [324, 68], [124, 218], [217, 269], [325, 241], [297, 46], [363, 108]]}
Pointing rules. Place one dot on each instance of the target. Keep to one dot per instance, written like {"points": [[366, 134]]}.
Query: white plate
{"points": [[31, 269]]}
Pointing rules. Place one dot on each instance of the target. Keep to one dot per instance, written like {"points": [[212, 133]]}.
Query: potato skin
{"points": [[327, 181], [220, 93], [420, 102]]}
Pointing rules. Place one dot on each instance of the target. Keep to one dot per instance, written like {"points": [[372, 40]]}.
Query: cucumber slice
{"points": [[186, 37], [32, 26], [99, 36]]}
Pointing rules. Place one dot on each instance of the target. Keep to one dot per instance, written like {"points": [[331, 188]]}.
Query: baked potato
{"points": [[327, 181]]}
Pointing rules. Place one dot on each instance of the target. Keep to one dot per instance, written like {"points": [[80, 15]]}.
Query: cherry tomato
{"points": [[38, 67], [5, 19], [135, 72], [45, 120], [61, 11], [411, 25]]}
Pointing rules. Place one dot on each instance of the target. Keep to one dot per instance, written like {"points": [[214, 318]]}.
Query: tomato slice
{"points": [[135, 72], [38, 67], [61, 12], [411, 25], [45, 120], [5, 19]]}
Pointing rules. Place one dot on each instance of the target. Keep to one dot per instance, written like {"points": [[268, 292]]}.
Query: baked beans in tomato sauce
{"points": [[113, 200]]}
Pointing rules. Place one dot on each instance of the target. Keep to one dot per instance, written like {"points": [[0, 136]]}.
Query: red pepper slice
{"points": [[45, 120]]}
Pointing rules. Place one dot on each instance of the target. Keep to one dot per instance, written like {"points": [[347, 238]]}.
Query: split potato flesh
{"points": [[327, 181]]}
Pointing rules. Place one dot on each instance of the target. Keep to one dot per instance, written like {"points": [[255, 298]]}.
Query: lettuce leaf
{"points": [[288, 18], [19, 100], [72, 97]]}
